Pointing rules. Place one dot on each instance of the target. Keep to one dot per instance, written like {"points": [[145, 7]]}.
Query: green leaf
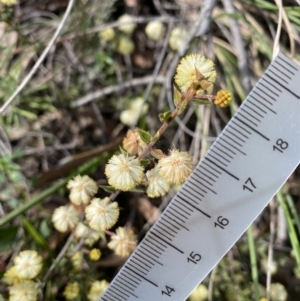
{"points": [[44, 229], [8, 238], [144, 162], [33, 232], [108, 188], [177, 96], [183, 107], [201, 101], [145, 136], [164, 117], [157, 153]]}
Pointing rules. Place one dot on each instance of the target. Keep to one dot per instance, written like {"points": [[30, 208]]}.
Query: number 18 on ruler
{"points": [[244, 168]]}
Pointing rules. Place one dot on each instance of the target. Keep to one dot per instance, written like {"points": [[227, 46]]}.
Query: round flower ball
{"points": [[64, 218], [107, 34], [23, 291], [125, 46], [124, 172], [28, 264], [82, 189], [176, 167], [155, 30], [177, 37], [129, 25], [101, 214]]}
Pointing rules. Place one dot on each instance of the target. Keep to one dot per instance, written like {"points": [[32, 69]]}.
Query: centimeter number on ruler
{"points": [[244, 168]]}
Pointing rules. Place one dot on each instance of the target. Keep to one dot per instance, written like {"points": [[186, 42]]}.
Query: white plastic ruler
{"points": [[244, 168]]}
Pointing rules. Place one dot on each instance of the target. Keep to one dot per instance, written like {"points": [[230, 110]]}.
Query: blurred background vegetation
{"points": [[67, 120]]}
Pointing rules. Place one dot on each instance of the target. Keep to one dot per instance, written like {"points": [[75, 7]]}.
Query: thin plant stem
{"points": [[47, 192], [253, 260], [291, 228], [294, 212], [41, 58]]}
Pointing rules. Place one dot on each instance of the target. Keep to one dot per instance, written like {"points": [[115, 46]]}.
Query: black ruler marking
{"points": [[249, 120], [203, 173], [237, 143], [196, 179], [229, 173], [168, 221], [151, 248], [280, 84], [146, 238], [191, 199], [162, 234], [285, 61], [178, 207], [253, 104], [235, 135], [184, 206], [280, 72], [232, 146], [115, 298], [114, 288], [149, 255], [179, 217], [227, 148], [153, 283], [265, 93], [127, 276], [250, 127], [132, 264], [251, 95], [159, 226], [135, 257], [179, 201], [204, 213], [250, 108], [245, 111], [194, 195], [284, 67], [125, 289], [192, 188], [168, 243], [223, 152], [168, 227], [217, 159], [139, 258], [219, 155], [127, 282], [175, 221], [268, 88]]}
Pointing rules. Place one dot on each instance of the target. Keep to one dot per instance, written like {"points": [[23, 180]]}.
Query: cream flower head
{"points": [[129, 27], [132, 113], [81, 230], [28, 264], [82, 189], [92, 238], [23, 291], [101, 214], [133, 143], [195, 69], [200, 293], [177, 37], [97, 289], [77, 260], [155, 30], [157, 185], [124, 172], [123, 242], [71, 291], [9, 2], [64, 218], [11, 276], [107, 34], [176, 167], [125, 46]]}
